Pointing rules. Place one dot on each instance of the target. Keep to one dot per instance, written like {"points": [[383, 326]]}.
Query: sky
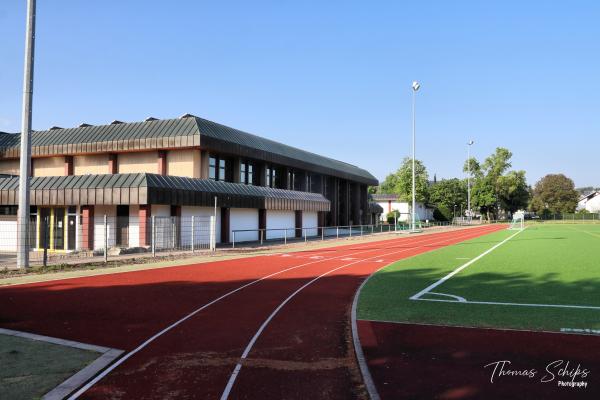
{"points": [[330, 77]]}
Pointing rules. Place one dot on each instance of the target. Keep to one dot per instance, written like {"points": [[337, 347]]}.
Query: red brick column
{"points": [[87, 231], [144, 215], [162, 162], [68, 165], [113, 164]]}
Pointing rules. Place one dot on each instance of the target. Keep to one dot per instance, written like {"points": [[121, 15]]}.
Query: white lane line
{"points": [[457, 270], [170, 327], [248, 348], [499, 303]]}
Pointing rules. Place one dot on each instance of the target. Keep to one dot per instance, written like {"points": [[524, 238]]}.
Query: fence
{"points": [[62, 238], [285, 235], [570, 218]]}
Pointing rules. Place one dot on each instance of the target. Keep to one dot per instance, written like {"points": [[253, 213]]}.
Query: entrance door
{"points": [[122, 236], [44, 231], [59, 229]]}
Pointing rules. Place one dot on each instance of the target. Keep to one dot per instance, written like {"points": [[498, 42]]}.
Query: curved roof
{"points": [[187, 131]]}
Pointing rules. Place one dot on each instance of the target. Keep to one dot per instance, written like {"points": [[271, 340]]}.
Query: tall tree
{"points": [[400, 182], [493, 187], [448, 193], [554, 193]]}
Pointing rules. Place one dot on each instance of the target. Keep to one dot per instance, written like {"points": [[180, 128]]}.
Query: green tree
{"points": [[493, 187], [446, 194], [400, 182], [554, 193], [513, 191]]}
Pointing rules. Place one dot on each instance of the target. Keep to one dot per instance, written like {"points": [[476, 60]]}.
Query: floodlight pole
{"points": [[469, 144], [415, 87], [25, 155]]}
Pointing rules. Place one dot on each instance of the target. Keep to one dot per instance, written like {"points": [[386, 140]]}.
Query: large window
{"points": [[271, 177], [217, 168], [246, 173]]}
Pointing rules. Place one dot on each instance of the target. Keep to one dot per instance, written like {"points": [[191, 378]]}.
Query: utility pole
{"points": [[470, 143], [415, 87], [25, 155]]}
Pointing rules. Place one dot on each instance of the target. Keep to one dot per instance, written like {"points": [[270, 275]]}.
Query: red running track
{"points": [[305, 351]]}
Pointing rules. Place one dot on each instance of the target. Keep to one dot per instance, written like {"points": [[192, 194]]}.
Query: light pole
{"points": [[25, 155], [415, 88], [470, 143]]}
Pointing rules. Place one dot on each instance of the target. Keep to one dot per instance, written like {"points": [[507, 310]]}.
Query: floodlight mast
{"points": [[415, 87], [25, 155], [470, 143]]}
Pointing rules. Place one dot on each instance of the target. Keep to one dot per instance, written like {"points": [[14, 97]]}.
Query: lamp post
{"points": [[469, 144], [415, 87], [25, 155]]}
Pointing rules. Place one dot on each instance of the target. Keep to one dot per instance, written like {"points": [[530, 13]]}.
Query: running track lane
{"points": [[304, 353]]}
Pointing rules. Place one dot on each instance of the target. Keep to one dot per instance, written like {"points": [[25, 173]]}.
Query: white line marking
{"points": [[497, 303], [316, 257], [238, 366], [170, 327], [348, 258], [457, 270], [53, 340], [457, 298]]}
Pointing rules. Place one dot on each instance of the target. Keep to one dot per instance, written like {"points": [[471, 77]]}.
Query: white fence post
{"points": [[193, 234], [153, 236], [285, 236], [213, 233], [233, 239], [105, 238]]}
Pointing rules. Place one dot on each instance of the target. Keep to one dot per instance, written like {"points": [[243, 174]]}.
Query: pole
{"points": [[414, 197], [25, 155], [193, 239], [469, 180], [105, 238]]}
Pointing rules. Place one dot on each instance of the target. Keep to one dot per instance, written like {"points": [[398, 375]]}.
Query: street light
{"points": [[470, 143], [415, 87]]}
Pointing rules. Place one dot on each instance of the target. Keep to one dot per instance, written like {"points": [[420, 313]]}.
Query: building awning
{"points": [[144, 188]]}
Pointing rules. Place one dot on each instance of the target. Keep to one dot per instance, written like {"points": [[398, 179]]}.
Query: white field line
{"points": [[248, 348], [457, 270], [499, 303], [190, 315], [457, 298]]}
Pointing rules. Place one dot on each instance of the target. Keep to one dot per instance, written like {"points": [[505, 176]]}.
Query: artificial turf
{"points": [[544, 264], [31, 368]]}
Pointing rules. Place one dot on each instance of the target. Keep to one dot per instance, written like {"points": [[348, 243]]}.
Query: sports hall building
{"points": [[175, 168]]}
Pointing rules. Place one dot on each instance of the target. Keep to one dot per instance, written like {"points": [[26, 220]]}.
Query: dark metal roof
{"points": [[384, 197], [188, 131], [143, 188]]}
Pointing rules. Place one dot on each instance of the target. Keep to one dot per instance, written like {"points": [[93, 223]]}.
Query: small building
{"points": [[391, 202], [174, 169], [590, 202]]}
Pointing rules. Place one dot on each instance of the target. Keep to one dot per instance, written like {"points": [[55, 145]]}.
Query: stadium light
{"points": [[415, 87], [25, 155], [470, 143]]}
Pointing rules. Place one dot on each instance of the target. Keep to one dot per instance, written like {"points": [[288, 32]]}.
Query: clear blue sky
{"points": [[331, 77]]}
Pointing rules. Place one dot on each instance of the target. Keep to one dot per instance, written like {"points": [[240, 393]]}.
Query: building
{"points": [[391, 202], [175, 168], [590, 202]]}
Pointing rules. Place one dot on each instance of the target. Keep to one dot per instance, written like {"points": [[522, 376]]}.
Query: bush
{"points": [[442, 213], [391, 217]]}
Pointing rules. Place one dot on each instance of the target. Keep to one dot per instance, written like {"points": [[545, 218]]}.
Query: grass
{"points": [[32, 368], [545, 264]]}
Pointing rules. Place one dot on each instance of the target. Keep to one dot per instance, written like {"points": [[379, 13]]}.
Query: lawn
{"points": [[32, 368], [546, 277]]}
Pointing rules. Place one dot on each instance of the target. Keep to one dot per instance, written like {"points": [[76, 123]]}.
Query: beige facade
{"points": [[138, 162], [90, 164], [49, 166], [9, 167], [184, 163]]}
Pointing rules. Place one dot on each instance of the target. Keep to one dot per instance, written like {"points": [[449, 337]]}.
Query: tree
{"points": [[446, 194], [513, 191], [493, 187], [554, 193], [400, 182]]}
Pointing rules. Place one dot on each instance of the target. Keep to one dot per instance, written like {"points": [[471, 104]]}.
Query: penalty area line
{"points": [[457, 270], [499, 303]]}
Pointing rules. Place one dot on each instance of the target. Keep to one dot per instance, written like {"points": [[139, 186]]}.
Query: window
{"points": [[271, 177], [212, 171], [217, 168], [246, 173]]}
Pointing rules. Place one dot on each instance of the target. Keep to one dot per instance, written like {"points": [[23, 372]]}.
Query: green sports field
{"points": [[546, 277]]}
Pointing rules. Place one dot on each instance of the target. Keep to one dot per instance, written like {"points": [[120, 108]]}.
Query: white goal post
{"points": [[518, 222]]}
